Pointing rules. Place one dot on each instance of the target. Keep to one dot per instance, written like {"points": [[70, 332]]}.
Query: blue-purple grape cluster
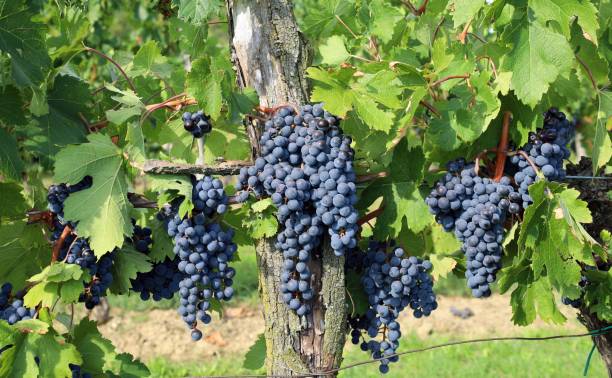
{"points": [[77, 372], [204, 250], [547, 148], [12, 308], [475, 208], [162, 281], [198, 123], [76, 250], [306, 167], [392, 282]]}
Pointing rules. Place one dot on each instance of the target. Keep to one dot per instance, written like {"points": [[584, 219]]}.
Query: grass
{"points": [[555, 358]]}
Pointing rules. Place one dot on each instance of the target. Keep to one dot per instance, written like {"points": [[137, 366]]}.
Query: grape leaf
{"points": [[602, 146], [170, 187], [256, 355], [57, 280], [442, 266], [105, 219], [99, 355], [62, 125], [11, 164], [384, 18], [73, 27], [538, 57], [204, 84], [197, 11], [333, 51], [14, 205], [149, 60], [131, 105], [465, 10], [25, 251], [325, 18], [11, 104], [24, 40], [127, 263], [563, 13]]}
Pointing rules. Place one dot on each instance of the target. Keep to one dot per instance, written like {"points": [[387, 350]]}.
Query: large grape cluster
{"points": [[204, 250], [198, 123], [306, 168], [392, 282], [475, 208], [547, 148], [12, 308]]}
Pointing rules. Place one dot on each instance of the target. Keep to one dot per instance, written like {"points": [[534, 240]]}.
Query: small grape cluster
{"points": [[12, 308], [306, 168], [162, 281], [77, 372], [547, 148], [76, 250], [392, 282], [198, 123], [204, 250], [475, 208]]}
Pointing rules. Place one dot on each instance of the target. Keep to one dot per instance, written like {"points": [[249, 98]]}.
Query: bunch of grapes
{"points": [[77, 372], [547, 148], [475, 208], [76, 250], [204, 250], [163, 279], [306, 168], [197, 123], [12, 308], [392, 282]]}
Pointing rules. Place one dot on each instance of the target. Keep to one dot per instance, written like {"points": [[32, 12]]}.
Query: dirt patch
{"points": [[161, 333]]}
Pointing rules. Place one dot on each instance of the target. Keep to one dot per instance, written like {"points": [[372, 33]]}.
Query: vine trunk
{"points": [[270, 55]]}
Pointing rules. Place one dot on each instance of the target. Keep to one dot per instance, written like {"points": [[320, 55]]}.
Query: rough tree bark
{"points": [[270, 55]]}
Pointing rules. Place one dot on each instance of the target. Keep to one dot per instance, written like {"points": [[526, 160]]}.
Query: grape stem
{"points": [[370, 216], [502, 148], [461, 37], [57, 246], [588, 71], [430, 107], [101, 54], [346, 27], [438, 82]]}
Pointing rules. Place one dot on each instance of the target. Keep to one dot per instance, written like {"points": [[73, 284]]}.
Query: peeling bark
{"points": [[271, 55]]}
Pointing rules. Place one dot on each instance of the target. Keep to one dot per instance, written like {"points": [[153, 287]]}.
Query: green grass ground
{"points": [[556, 358]]}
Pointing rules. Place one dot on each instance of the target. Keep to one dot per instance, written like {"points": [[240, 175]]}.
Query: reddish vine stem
{"points": [[479, 157], [412, 8], [588, 71], [370, 216], [430, 107], [103, 55], [461, 37], [438, 82], [502, 148], [371, 176], [57, 246], [490, 60], [423, 7]]}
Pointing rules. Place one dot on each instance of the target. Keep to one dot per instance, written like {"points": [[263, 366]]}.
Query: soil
{"points": [[161, 333]]}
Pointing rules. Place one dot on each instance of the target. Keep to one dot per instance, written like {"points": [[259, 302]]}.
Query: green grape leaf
{"points": [[73, 27], [327, 17], [384, 18], [204, 84], [333, 51], [24, 40], [598, 294], [162, 243], [25, 251], [11, 104], [106, 217], [255, 357], [127, 263], [56, 281], [538, 57], [14, 205], [11, 164], [465, 10], [62, 125], [128, 367], [602, 146], [563, 13], [131, 105], [149, 60], [442, 266], [54, 354], [197, 11], [169, 187]]}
